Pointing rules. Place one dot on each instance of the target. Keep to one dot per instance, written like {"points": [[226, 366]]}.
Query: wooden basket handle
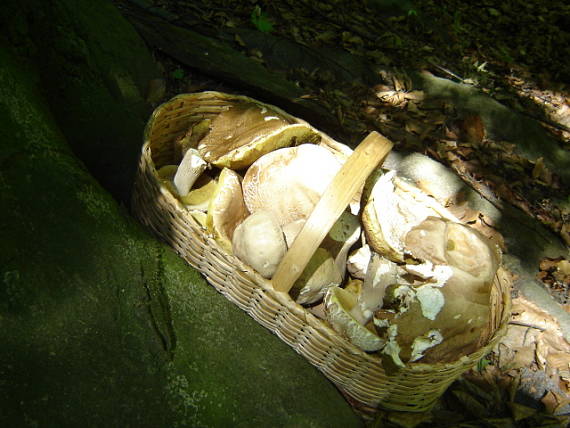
{"points": [[370, 153]]}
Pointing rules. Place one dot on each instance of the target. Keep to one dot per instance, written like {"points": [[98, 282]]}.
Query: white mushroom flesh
{"points": [[259, 242], [188, 171]]}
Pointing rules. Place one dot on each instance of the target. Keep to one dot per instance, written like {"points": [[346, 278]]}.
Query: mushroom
{"points": [[339, 303], [358, 260], [259, 242], [380, 274], [226, 209], [339, 240], [199, 195], [393, 207], [319, 275], [245, 131], [190, 140], [439, 309], [198, 198], [188, 171], [289, 181]]}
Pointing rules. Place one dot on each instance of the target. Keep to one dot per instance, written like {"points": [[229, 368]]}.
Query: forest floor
{"points": [[515, 51]]}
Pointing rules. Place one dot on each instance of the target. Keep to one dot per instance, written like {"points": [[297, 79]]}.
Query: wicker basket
{"points": [[358, 374]]}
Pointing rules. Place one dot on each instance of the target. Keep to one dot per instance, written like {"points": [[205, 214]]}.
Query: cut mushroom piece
{"points": [[319, 275], [392, 208], [289, 181], [198, 198], [245, 131], [380, 274], [188, 171], [259, 242], [358, 260], [226, 209], [338, 305]]}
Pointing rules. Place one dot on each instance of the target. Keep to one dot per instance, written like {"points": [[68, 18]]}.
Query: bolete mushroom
{"points": [[226, 209], [245, 131], [188, 171], [289, 181], [440, 309], [319, 275], [392, 208], [259, 242], [199, 195], [339, 304]]}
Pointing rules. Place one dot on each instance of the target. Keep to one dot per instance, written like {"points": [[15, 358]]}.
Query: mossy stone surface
{"points": [[101, 325]]}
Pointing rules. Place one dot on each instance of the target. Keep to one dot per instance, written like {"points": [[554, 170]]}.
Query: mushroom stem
{"points": [[190, 169]]}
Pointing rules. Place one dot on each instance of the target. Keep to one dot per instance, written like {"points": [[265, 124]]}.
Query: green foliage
{"points": [[178, 74], [260, 20], [482, 363]]}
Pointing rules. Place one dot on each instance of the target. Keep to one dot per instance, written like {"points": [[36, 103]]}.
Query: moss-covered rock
{"points": [[100, 325], [94, 71]]}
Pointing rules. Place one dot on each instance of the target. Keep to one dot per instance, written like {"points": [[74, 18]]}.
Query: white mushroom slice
{"points": [[188, 171], [357, 263], [289, 181], [319, 275], [338, 304], [259, 242]]}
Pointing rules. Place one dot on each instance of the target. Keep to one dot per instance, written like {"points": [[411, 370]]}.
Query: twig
{"points": [[522, 324]]}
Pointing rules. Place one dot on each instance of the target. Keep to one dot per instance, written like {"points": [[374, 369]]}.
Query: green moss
{"points": [[100, 324]]}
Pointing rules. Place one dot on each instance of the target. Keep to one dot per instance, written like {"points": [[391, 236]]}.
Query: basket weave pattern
{"points": [[362, 376]]}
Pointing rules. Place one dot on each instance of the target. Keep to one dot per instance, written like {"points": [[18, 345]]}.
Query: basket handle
{"points": [[370, 153]]}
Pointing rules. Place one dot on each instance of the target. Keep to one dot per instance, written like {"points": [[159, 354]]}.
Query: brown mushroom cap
{"points": [[246, 131]]}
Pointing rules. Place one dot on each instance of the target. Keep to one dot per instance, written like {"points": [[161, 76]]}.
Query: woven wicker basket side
{"points": [[362, 376]]}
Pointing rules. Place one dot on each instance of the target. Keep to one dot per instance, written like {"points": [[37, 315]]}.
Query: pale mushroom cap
{"points": [[289, 181], [447, 243], [392, 209], [358, 261], [226, 208], [259, 242]]}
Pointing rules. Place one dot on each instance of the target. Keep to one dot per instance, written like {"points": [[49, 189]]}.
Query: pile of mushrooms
{"points": [[397, 274], [425, 279]]}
